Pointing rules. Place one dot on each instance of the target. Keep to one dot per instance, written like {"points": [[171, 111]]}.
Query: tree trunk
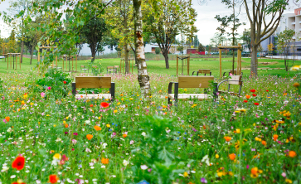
{"points": [[31, 53], [165, 54], [143, 77], [22, 48], [254, 61], [93, 51]]}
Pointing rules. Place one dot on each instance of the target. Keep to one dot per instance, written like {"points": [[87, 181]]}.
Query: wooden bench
{"points": [[94, 82], [189, 82], [233, 73], [234, 80], [202, 71], [83, 68], [111, 69]]}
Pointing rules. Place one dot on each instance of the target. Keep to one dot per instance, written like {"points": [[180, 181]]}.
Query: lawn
{"points": [[47, 136]]}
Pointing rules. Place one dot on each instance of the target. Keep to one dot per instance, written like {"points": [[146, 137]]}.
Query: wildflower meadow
{"points": [[48, 136]]}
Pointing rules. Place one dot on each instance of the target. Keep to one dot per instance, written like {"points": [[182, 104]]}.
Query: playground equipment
{"points": [[183, 57], [239, 48], [122, 65], [11, 63], [70, 57]]}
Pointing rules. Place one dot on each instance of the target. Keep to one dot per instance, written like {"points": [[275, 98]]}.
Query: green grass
{"points": [[158, 67]]}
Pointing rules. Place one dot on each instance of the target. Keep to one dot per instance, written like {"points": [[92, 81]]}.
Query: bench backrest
{"points": [[92, 82], [235, 79], [204, 71], [194, 81]]}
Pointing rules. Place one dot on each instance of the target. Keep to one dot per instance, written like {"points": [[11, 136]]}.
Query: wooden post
{"points": [[20, 61], [239, 60], [220, 62], [76, 62], [177, 64], [188, 60]]}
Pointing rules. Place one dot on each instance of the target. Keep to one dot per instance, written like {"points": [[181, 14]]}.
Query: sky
{"points": [[205, 22]]}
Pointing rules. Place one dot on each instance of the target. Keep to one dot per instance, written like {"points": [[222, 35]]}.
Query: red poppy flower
{"points": [[253, 90], [254, 95], [245, 101], [267, 90], [104, 104], [18, 163], [256, 103], [64, 82], [53, 178], [91, 105]]}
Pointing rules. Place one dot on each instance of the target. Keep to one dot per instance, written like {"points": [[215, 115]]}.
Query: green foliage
{"points": [[93, 32], [96, 67], [157, 50], [180, 48], [55, 82], [285, 39], [201, 48], [161, 159]]}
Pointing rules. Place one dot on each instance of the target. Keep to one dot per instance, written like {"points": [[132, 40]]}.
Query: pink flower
{"points": [[49, 88], [43, 94], [283, 174]]}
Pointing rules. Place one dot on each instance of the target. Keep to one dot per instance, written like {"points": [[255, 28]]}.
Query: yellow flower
{"points": [[115, 111], [216, 156], [185, 174], [57, 156], [288, 181], [238, 131]]}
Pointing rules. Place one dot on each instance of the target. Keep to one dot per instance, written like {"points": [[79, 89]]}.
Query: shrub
{"points": [[157, 50]]}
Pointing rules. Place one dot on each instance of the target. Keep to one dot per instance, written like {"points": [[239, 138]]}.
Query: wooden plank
{"points": [[93, 82], [235, 79], [195, 81], [204, 71]]}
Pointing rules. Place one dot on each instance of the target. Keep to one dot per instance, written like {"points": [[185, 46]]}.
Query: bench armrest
{"points": [[73, 88], [170, 87], [112, 91], [220, 84]]}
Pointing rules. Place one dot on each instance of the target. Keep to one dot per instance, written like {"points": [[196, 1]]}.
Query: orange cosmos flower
{"points": [[292, 154], [7, 118], [296, 84], [232, 156], [124, 135], [104, 104], [66, 125], [97, 128], [227, 138], [53, 178], [264, 143], [275, 137], [89, 136], [18, 163], [248, 96], [255, 172], [105, 161]]}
